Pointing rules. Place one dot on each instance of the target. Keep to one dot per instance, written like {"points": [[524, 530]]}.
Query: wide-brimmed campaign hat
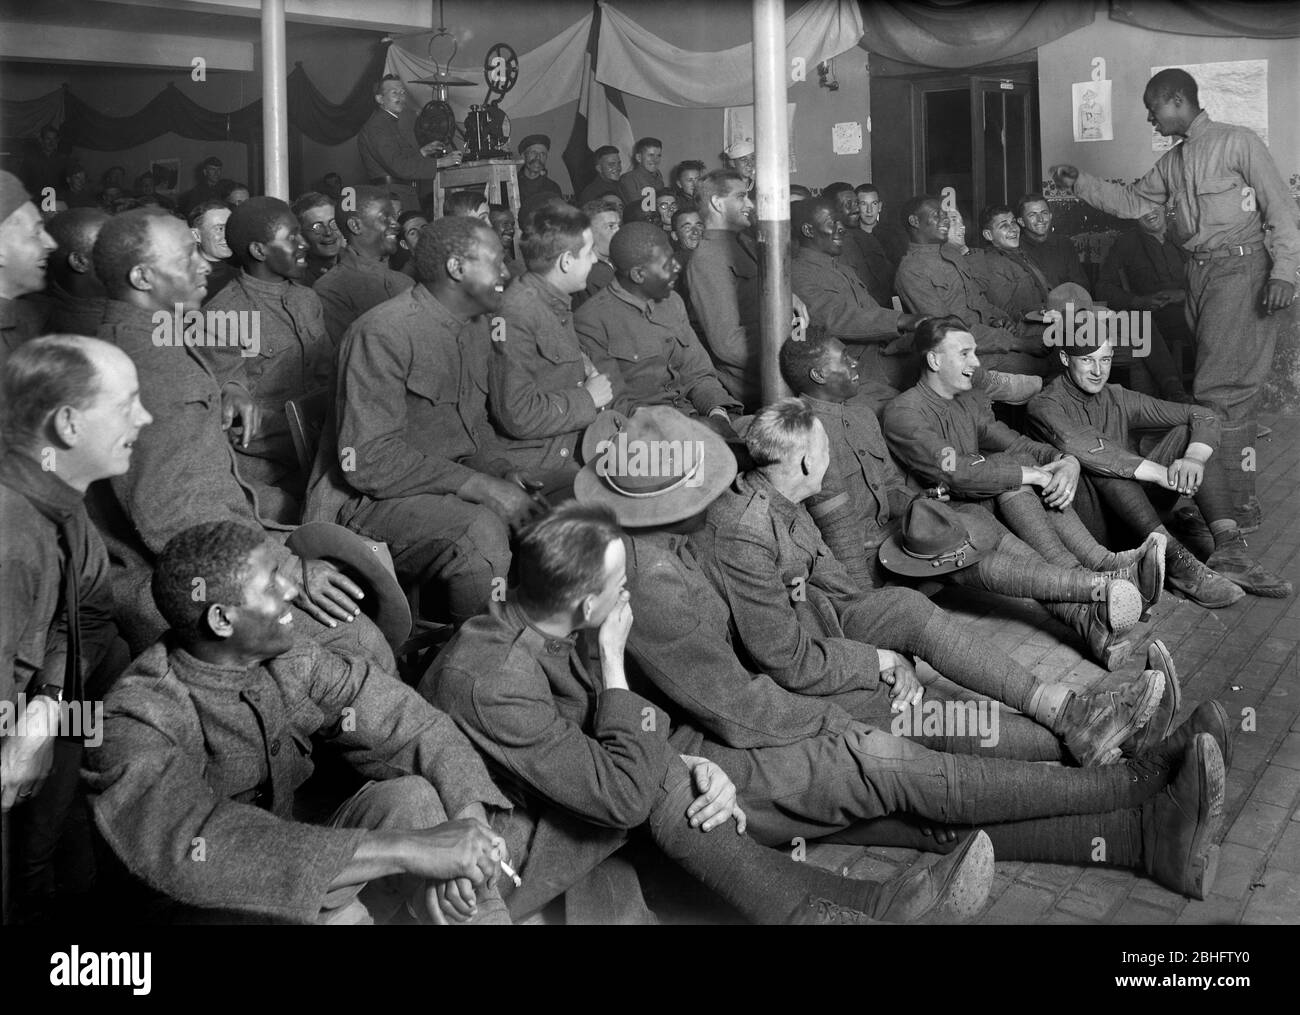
{"points": [[1070, 293], [933, 541], [659, 467], [367, 563]]}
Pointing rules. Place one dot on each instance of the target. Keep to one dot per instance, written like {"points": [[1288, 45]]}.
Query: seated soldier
{"points": [[609, 167], [944, 433], [893, 240], [71, 411], [75, 297], [570, 740], [416, 455], [209, 735], [934, 279], [1053, 252], [362, 278], [149, 264], [665, 205], [637, 334], [803, 766], [543, 389], [639, 185], [686, 181], [315, 212], [409, 224], [605, 222], [869, 257], [759, 542], [1091, 420], [1010, 279], [1145, 270], [864, 501], [207, 221], [25, 247], [838, 301], [288, 357], [502, 221], [688, 231]]}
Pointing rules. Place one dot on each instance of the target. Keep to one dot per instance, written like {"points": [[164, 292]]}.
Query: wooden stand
{"points": [[492, 172]]}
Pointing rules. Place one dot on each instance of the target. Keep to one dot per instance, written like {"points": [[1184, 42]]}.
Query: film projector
{"points": [[486, 130]]}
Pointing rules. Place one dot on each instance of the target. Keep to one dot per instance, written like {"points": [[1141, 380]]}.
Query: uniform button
{"points": [[636, 356], [275, 747], [564, 452], [554, 646]]}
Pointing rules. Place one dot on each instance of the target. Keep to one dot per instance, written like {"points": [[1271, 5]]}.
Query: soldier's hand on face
{"points": [[1278, 295], [1186, 475], [1064, 176], [616, 627]]}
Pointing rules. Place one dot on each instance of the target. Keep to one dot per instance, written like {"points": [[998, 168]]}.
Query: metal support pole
{"points": [[772, 189], [275, 105]]}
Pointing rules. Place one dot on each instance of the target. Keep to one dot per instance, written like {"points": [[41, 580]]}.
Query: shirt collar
{"points": [[54, 498], [783, 508], [194, 672], [821, 405], [1199, 125], [558, 301], [437, 309], [253, 285], [645, 306], [513, 615], [813, 254]]}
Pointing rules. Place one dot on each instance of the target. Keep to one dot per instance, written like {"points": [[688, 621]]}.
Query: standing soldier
{"points": [[1224, 192]]}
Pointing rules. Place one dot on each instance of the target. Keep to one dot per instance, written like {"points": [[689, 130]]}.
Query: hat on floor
{"points": [[367, 563], [659, 468], [13, 195], [533, 139], [933, 541]]}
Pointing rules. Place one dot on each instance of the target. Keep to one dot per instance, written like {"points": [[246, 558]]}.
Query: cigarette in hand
{"points": [[510, 873]]}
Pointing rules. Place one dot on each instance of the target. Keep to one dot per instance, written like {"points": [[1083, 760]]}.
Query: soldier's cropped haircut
{"points": [[554, 230], [718, 183], [802, 213], [635, 244], [562, 556], [1028, 199], [797, 358], [646, 142], [379, 85], [218, 553], [992, 211], [780, 431], [41, 377], [308, 201], [458, 236], [914, 204], [363, 198], [123, 243], [255, 221], [932, 331], [74, 230], [1173, 81]]}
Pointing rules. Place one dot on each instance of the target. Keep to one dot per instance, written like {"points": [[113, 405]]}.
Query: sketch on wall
{"points": [[1092, 111]]}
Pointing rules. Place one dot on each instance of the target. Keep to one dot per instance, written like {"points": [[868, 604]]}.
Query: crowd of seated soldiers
{"points": [[442, 383]]}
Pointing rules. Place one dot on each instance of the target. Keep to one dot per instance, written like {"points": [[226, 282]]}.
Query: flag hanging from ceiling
{"points": [[601, 118]]}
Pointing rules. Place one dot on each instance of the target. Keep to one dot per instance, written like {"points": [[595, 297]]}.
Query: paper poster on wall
{"points": [[1092, 121], [1235, 91], [738, 124], [846, 138]]}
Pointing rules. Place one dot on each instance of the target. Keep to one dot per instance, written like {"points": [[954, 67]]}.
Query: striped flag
{"points": [[601, 119]]}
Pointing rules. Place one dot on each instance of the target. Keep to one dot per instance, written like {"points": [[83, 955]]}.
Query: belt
{"points": [[376, 181], [1238, 250]]}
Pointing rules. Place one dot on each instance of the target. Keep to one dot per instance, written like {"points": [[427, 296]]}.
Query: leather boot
{"points": [[1185, 574], [953, 888], [1147, 572], [1233, 562], [1161, 725], [1208, 717], [1110, 649], [1180, 823], [1093, 726]]}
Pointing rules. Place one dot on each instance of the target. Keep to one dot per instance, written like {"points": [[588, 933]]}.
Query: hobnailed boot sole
{"points": [[1123, 606], [967, 885], [1157, 544], [1204, 863]]}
